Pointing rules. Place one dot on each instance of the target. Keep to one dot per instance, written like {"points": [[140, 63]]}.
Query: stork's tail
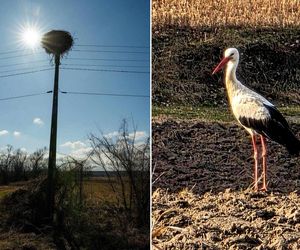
{"points": [[293, 144]]}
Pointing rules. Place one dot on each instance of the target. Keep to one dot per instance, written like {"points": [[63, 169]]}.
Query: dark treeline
{"points": [[18, 165]]}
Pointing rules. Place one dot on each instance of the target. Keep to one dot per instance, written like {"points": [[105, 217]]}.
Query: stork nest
{"points": [[57, 42]]}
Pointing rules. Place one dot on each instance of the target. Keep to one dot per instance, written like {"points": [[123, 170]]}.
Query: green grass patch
{"points": [[206, 113], [4, 190], [189, 112], [293, 111]]}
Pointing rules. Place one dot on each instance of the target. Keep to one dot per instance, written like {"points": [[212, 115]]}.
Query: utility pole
{"points": [[53, 142], [56, 43]]}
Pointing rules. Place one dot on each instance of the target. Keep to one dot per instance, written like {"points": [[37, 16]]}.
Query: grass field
{"points": [[98, 189], [212, 13], [7, 189]]}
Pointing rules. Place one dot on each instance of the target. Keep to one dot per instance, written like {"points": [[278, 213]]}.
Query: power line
{"points": [[24, 96], [76, 58], [28, 54], [12, 51], [103, 94], [111, 51], [105, 65], [25, 73], [110, 46], [108, 70], [106, 59], [6, 52], [21, 69], [17, 64]]}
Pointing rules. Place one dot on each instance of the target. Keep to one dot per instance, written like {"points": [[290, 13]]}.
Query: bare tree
{"points": [[37, 162], [6, 159], [18, 167], [77, 168], [128, 160]]}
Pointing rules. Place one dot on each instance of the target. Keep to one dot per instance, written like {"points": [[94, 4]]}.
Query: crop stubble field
{"points": [[98, 189], [202, 160], [212, 13]]}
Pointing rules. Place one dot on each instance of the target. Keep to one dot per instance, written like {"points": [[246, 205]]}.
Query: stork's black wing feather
{"points": [[275, 128], [276, 115]]}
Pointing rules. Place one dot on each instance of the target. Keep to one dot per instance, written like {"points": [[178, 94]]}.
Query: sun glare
{"points": [[31, 37]]}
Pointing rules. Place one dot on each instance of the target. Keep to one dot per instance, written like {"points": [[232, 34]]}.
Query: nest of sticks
{"points": [[57, 42]]}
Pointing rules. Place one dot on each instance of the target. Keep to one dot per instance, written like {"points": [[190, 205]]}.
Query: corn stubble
{"points": [[212, 13]]}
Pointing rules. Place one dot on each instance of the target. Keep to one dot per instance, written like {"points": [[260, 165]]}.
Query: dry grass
{"points": [[212, 13], [7, 189], [98, 189], [20, 241]]}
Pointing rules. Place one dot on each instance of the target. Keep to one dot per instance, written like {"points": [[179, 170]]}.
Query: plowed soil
{"points": [[202, 192]]}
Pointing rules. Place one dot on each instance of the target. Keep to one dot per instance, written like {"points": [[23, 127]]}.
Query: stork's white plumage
{"points": [[256, 114]]}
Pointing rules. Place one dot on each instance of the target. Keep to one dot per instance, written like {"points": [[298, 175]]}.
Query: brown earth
{"points": [[183, 60], [202, 194]]}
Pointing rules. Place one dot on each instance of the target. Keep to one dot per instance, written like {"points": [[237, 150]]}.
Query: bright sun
{"points": [[31, 37]]}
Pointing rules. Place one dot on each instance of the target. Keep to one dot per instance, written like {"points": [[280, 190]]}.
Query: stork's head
{"points": [[230, 55]]}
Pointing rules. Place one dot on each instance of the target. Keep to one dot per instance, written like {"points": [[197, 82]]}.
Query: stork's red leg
{"points": [[255, 162], [264, 156]]}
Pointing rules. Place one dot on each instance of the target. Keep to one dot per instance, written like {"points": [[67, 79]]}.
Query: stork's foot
{"points": [[263, 189]]}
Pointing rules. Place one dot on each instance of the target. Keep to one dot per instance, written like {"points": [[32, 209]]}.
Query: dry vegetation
{"points": [[227, 220], [99, 189], [212, 13]]}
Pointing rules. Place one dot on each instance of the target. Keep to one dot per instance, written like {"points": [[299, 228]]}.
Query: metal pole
{"points": [[52, 148]]}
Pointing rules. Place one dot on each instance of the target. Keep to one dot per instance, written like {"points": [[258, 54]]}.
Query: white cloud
{"points": [[73, 145], [76, 149], [3, 132], [81, 152], [139, 135], [112, 134], [38, 121], [17, 134]]}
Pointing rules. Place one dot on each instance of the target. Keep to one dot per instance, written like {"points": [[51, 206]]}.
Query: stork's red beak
{"points": [[221, 64]]}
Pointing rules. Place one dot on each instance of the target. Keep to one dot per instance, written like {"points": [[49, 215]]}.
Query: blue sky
{"points": [[25, 122]]}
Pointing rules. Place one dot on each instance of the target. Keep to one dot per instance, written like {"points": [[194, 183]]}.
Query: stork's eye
{"points": [[232, 54]]}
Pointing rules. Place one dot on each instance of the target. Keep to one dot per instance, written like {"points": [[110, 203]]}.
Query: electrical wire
{"points": [[103, 65], [106, 59], [80, 58], [12, 51], [108, 70], [111, 51], [17, 56], [102, 94], [110, 46], [25, 73], [21, 69], [17, 64], [24, 96]]}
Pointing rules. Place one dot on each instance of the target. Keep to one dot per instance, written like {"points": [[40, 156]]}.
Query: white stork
{"points": [[256, 114]]}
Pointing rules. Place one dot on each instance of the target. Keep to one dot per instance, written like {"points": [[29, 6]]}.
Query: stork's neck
{"points": [[232, 84], [231, 72]]}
